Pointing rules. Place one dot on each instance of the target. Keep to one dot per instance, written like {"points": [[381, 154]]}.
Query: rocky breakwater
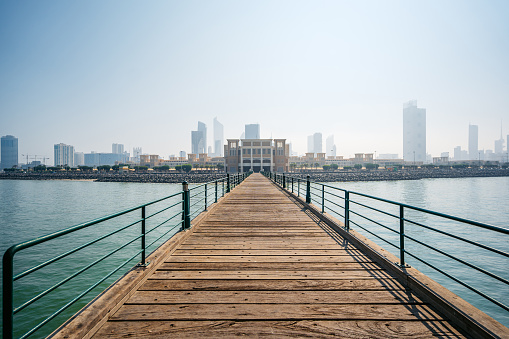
{"points": [[409, 174], [157, 177]]}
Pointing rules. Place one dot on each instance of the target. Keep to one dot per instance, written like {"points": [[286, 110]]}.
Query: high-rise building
{"points": [[252, 131], [457, 153], [473, 142], [117, 148], [218, 138], [182, 154], [311, 148], [63, 155], [197, 142], [203, 128], [9, 151], [136, 154], [414, 132], [317, 143], [331, 147], [79, 159]]}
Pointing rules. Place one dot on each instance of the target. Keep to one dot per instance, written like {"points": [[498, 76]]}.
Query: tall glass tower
{"points": [[9, 151], [414, 133]]}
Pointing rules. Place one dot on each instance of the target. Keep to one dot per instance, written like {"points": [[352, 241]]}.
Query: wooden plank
{"points": [[272, 285], [293, 252], [273, 297], [279, 329], [275, 312], [272, 274], [279, 266], [260, 258]]}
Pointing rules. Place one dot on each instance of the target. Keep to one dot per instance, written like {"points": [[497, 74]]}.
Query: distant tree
{"points": [[220, 167], [317, 165], [178, 168], [84, 168], [140, 168], [162, 168], [326, 167], [293, 166], [187, 168], [334, 167], [347, 168], [371, 166], [40, 168], [104, 168], [357, 166]]}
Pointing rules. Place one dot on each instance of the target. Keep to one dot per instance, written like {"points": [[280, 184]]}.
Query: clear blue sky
{"points": [[142, 73]]}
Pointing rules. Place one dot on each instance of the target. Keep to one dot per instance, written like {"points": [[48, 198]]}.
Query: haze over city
{"points": [[143, 74]]}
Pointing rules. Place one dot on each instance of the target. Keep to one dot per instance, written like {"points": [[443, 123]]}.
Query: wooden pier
{"points": [[260, 263]]}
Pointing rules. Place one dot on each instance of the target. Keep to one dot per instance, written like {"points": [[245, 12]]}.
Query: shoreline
{"points": [[316, 176]]}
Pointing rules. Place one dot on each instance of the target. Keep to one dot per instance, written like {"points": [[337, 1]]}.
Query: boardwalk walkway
{"points": [[259, 265]]}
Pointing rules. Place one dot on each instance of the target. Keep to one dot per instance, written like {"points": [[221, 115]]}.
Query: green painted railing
{"points": [[372, 214], [174, 215]]}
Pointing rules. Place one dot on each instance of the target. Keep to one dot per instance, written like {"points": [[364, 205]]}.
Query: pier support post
{"points": [[308, 191], [186, 206]]}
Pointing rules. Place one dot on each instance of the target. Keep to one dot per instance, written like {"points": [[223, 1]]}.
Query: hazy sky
{"points": [[142, 73]]}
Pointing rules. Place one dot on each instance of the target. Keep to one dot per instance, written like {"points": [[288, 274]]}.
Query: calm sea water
{"points": [[30, 209]]}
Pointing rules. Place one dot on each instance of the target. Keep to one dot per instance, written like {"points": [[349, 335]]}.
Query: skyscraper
{"points": [[136, 154], [203, 128], [9, 151], [197, 142], [218, 138], [117, 148], [63, 155], [311, 148], [317, 143], [252, 131], [473, 142], [414, 132]]}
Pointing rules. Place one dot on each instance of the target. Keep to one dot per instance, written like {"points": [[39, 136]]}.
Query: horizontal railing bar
{"points": [[164, 222], [353, 222], [332, 202], [171, 229], [459, 238], [471, 222], [197, 194], [63, 308], [496, 302], [374, 209], [386, 227], [33, 242], [164, 209], [505, 281], [33, 269], [334, 211], [334, 195], [42, 294]]}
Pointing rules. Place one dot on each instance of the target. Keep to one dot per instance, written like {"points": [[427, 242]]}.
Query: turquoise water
{"points": [[30, 209]]}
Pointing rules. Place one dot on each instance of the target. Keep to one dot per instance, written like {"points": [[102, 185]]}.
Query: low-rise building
{"points": [[244, 155]]}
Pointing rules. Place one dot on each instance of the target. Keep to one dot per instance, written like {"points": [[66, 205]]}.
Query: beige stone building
{"points": [[244, 155]]}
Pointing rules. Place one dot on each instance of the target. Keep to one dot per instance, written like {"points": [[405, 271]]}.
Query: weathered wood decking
{"points": [[260, 265]]}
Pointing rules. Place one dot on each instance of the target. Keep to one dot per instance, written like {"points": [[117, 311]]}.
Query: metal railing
{"points": [[375, 215], [138, 229]]}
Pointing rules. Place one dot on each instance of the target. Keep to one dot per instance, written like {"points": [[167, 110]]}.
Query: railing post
{"points": [[222, 181], [401, 236], [347, 210], [216, 191], [298, 187], [308, 191], [228, 183], [143, 232], [284, 181], [8, 297], [323, 198], [186, 206], [292, 184], [205, 197]]}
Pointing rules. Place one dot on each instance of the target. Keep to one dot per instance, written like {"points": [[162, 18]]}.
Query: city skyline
{"points": [[143, 74]]}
